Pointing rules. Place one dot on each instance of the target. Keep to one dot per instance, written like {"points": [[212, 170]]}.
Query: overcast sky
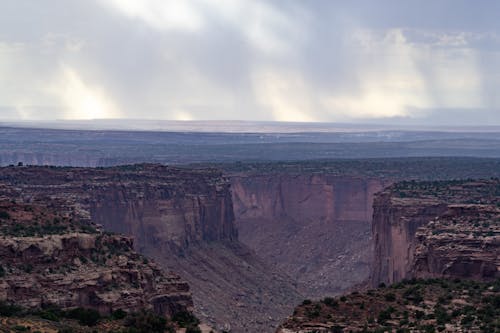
{"points": [[386, 61]]}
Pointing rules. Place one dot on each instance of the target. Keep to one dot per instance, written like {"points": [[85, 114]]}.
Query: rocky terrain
{"points": [[313, 219], [435, 229], [434, 305], [315, 227], [309, 220], [182, 218], [429, 236], [53, 261]]}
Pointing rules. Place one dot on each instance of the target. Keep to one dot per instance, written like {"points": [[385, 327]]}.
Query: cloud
{"points": [[249, 60], [81, 100], [161, 14], [285, 94]]}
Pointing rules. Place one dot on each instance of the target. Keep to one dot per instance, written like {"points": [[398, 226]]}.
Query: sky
{"points": [[372, 61]]}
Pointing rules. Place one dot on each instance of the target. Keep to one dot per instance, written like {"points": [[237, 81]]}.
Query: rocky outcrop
{"points": [[436, 229], [182, 218], [58, 267], [395, 223], [315, 227], [417, 305], [159, 206], [76, 270], [463, 242]]}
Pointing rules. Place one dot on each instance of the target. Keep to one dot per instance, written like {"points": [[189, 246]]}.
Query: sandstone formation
{"points": [[315, 227], [436, 229], [182, 218], [49, 257]]}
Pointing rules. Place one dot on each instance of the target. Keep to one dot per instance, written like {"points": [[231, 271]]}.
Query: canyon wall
{"points": [[395, 223], [315, 227], [183, 219], [49, 256], [437, 229]]}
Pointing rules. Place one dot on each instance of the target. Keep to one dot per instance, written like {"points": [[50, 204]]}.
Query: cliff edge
{"points": [[437, 229]]}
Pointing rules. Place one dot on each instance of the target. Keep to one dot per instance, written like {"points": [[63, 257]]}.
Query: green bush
{"points": [[4, 215], [146, 322], [384, 315], [185, 319], [21, 328], [87, 317], [330, 301], [118, 314], [66, 330], [193, 329], [49, 315], [9, 310]]}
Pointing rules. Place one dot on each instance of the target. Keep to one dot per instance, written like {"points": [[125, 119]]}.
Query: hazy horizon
{"points": [[238, 126]]}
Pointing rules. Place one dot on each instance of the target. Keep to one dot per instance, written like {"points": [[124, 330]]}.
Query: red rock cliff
{"points": [[50, 257], [436, 229], [316, 227], [159, 206], [184, 219]]}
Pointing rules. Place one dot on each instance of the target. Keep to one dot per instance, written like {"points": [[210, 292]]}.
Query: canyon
{"points": [[249, 238], [436, 264], [314, 227], [184, 220]]}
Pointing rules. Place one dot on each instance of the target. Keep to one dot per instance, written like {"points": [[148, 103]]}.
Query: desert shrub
{"points": [[312, 313], [390, 297], [441, 315], [49, 315], [87, 317], [413, 294], [193, 329], [306, 302], [66, 330], [419, 314], [4, 215], [9, 310], [146, 322], [330, 301], [384, 315], [185, 319], [118, 314], [337, 329]]}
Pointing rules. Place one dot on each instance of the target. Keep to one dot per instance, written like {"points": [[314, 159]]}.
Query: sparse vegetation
{"points": [[75, 320], [409, 306]]}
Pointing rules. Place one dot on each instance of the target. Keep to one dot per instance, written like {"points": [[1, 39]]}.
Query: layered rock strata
{"points": [[447, 228], [182, 218], [315, 227], [50, 258]]}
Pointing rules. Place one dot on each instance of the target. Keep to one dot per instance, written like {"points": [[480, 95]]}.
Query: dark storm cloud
{"points": [[424, 61]]}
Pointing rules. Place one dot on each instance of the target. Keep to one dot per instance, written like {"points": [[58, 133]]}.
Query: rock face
{"points": [[83, 268], [315, 227], [182, 218], [159, 206], [463, 242], [436, 229]]}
